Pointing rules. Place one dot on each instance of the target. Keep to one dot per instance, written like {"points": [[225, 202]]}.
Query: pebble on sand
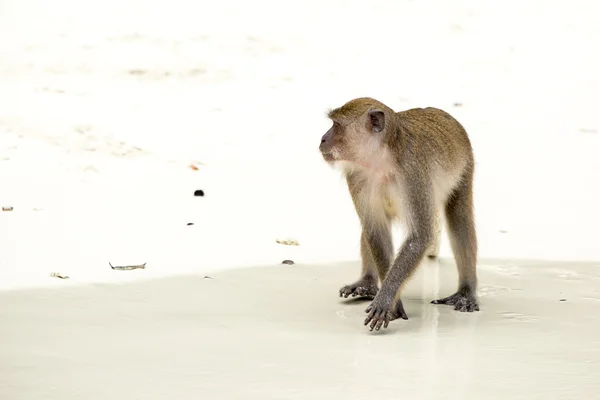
{"points": [[287, 262], [199, 193], [58, 275]]}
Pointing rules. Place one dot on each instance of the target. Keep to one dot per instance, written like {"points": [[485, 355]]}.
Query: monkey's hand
{"points": [[382, 311]]}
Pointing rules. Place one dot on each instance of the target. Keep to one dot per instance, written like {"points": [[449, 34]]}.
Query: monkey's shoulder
{"points": [[434, 135]]}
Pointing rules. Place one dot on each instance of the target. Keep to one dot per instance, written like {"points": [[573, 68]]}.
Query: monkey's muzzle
{"points": [[328, 146], [326, 149]]}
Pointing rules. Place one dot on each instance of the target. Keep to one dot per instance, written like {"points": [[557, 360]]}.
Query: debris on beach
{"points": [[207, 277], [190, 223], [562, 300], [287, 262], [588, 130], [127, 267], [193, 167], [288, 242], [58, 275], [457, 104], [137, 72], [199, 193], [7, 208]]}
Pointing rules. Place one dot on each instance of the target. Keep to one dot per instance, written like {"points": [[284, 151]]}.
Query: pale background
{"points": [[105, 105]]}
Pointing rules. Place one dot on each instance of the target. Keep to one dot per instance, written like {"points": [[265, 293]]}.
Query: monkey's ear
{"points": [[377, 119]]}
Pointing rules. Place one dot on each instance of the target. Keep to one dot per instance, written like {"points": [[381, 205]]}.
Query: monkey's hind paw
{"points": [[460, 301], [359, 289]]}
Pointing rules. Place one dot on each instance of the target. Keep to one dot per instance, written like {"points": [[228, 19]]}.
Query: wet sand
{"points": [[281, 332]]}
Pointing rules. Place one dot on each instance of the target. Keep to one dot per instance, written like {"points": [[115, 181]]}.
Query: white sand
{"points": [[103, 107], [279, 333]]}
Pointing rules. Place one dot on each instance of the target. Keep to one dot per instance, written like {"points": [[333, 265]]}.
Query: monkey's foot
{"points": [[382, 312], [461, 301], [360, 288]]}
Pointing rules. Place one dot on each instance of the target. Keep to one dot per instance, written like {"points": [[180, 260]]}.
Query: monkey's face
{"points": [[356, 141], [334, 143]]}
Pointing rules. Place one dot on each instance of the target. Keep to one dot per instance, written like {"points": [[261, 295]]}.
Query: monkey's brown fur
{"points": [[405, 166]]}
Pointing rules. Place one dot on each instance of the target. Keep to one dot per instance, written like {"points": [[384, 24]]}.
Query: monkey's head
{"points": [[359, 131]]}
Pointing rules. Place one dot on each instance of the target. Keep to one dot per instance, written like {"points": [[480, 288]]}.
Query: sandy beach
{"points": [[277, 332], [113, 114]]}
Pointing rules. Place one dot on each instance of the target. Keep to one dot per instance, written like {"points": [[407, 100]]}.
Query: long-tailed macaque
{"points": [[405, 166]]}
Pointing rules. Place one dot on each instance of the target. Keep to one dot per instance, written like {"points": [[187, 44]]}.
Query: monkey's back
{"points": [[431, 132]]}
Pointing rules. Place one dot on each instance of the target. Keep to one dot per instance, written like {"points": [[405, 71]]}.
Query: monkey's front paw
{"points": [[461, 302], [381, 312], [360, 289]]}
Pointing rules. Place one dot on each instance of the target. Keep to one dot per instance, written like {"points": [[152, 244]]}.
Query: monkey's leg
{"points": [[434, 249], [387, 305], [463, 239], [366, 286]]}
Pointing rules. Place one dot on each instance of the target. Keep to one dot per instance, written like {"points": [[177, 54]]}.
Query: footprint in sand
{"points": [[518, 317], [510, 270], [565, 274], [494, 290]]}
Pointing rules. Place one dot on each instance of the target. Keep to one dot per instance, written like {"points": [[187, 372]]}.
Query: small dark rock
{"points": [[199, 193], [190, 223], [287, 262], [207, 277], [563, 300]]}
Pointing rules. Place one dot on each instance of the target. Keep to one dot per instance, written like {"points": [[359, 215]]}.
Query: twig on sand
{"points": [[127, 267]]}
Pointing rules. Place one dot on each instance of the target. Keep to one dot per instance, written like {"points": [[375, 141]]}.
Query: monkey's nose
{"points": [[322, 140]]}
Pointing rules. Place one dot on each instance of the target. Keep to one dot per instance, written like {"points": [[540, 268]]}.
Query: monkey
{"points": [[411, 167]]}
